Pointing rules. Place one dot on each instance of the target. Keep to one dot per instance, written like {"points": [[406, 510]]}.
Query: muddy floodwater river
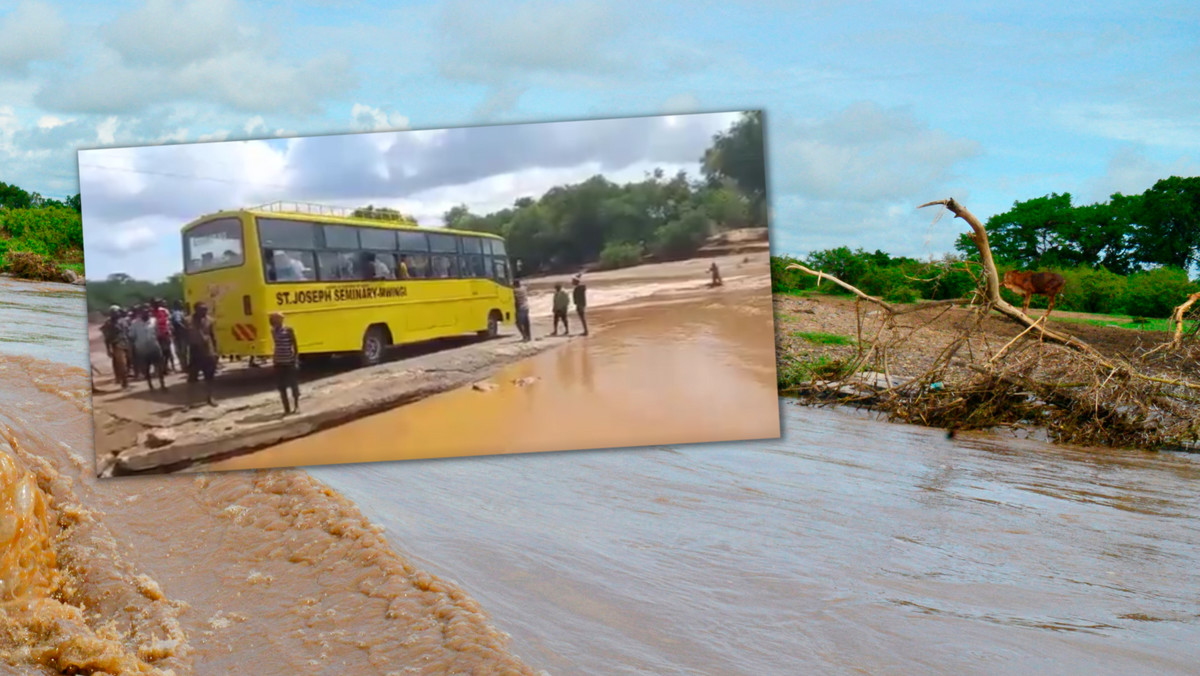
{"points": [[676, 369], [849, 546]]}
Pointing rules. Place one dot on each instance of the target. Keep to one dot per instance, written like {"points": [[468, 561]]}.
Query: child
{"points": [[561, 303]]}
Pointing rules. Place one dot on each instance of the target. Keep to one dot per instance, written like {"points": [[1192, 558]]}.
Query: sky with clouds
{"points": [[871, 107]]}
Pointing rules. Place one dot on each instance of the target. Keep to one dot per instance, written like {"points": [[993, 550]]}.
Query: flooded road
{"points": [[849, 546], [679, 368]]}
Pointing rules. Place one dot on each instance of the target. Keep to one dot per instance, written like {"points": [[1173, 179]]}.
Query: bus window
{"points": [[444, 266], [377, 265], [474, 265], [289, 266], [274, 233], [338, 265], [412, 240], [443, 243], [418, 265], [472, 245], [498, 247], [213, 245], [500, 271], [341, 237], [376, 239]]}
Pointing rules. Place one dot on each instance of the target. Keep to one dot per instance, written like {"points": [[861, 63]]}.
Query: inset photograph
{"points": [[435, 293]]}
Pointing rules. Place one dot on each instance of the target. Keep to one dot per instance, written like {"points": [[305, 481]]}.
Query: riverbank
{"points": [[139, 431], [817, 333]]}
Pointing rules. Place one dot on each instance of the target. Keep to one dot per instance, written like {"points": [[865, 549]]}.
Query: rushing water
{"points": [[849, 546], [43, 320]]}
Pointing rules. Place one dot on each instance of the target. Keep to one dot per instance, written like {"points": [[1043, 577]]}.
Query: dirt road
{"points": [[248, 415]]}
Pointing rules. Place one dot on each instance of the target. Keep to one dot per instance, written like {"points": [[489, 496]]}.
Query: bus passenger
{"points": [[561, 303], [380, 269], [202, 353], [285, 358], [402, 268]]}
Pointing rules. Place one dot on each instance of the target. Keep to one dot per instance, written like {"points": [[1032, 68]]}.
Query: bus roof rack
{"points": [[313, 208]]}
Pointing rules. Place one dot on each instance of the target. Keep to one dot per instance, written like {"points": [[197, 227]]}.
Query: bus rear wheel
{"points": [[375, 341], [493, 325]]}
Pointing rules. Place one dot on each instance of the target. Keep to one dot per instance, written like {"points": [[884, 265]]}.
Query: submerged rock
{"points": [[526, 381], [484, 387]]}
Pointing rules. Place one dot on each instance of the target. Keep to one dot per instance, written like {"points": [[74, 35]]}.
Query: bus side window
{"points": [[269, 264]]}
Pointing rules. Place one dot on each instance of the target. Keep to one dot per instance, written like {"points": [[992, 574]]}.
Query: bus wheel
{"points": [[375, 340], [493, 325]]}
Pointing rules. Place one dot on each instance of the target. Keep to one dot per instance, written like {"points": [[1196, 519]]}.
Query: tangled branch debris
{"points": [[1039, 378]]}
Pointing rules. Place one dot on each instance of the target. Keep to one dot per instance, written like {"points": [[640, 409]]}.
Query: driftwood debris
{"points": [[1040, 376]]}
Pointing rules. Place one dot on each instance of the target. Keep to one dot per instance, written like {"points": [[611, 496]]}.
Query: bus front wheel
{"points": [[493, 325], [375, 341]]}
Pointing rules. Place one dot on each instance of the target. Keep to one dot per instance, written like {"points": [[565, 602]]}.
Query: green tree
{"points": [[1168, 223], [738, 155]]}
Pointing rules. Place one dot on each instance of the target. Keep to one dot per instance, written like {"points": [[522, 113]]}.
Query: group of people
{"points": [[561, 304], [149, 341]]}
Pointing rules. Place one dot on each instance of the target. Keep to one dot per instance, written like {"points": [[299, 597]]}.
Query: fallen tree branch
{"points": [[1177, 317]]}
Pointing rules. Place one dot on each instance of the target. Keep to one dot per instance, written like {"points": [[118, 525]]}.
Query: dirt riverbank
{"points": [[249, 416]]}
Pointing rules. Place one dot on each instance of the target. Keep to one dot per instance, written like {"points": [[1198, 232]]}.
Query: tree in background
{"points": [[1168, 223], [737, 157]]}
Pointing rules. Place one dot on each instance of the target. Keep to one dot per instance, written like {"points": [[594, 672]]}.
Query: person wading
{"points": [[521, 296], [561, 303], [579, 293], [202, 353], [146, 351], [287, 375], [716, 274], [116, 343]]}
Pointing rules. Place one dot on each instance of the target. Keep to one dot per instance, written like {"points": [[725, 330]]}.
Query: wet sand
{"points": [[671, 368]]}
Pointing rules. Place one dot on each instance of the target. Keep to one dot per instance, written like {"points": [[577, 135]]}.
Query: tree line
{"points": [[1126, 234], [661, 217]]}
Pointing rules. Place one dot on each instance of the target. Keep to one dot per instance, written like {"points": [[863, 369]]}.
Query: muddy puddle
{"points": [[671, 368]]}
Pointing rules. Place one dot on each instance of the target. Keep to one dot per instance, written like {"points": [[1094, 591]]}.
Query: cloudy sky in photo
{"points": [[871, 107]]}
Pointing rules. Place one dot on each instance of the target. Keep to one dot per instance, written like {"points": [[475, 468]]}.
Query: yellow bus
{"points": [[346, 283]]}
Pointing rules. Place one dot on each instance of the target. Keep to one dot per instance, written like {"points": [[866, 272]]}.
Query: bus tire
{"points": [[493, 325], [375, 342]]}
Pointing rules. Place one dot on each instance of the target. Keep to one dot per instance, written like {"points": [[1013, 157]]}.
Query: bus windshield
{"points": [[213, 245]]}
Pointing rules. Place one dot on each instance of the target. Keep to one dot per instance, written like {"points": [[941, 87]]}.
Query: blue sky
{"points": [[871, 107]]}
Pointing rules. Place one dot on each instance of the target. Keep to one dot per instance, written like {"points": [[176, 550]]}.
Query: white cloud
{"points": [[866, 153], [172, 51], [1130, 171], [175, 32], [33, 31], [126, 239], [367, 118], [1135, 123]]}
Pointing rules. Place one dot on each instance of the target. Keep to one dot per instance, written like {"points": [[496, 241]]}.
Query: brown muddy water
{"points": [[850, 546], [675, 368], [264, 573]]}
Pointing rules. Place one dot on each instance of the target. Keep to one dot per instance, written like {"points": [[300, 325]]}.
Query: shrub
{"points": [[682, 237], [620, 255], [1156, 293]]}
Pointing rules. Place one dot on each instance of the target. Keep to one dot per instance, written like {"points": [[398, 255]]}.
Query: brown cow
{"points": [[1048, 284]]}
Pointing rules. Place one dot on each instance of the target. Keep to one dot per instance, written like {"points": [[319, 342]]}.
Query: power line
{"points": [[192, 177]]}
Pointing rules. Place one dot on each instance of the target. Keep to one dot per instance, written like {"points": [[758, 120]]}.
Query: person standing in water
{"points": [[521, 296], [716, 274], [286, 359], [202, 353], [579, 293], [561, 303]]}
